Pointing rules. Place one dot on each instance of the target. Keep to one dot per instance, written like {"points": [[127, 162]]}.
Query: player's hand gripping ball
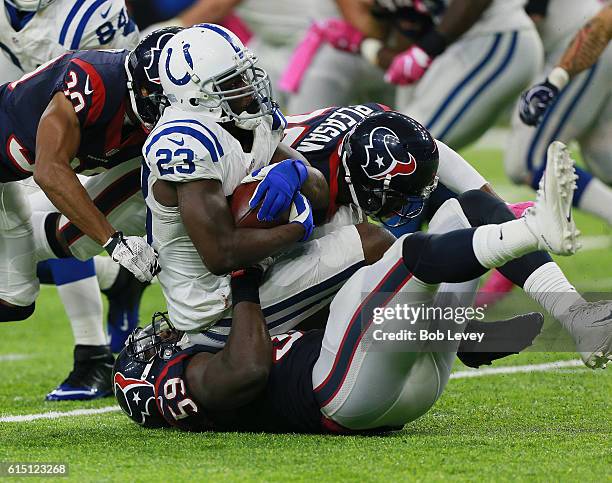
{"points": [[279, 184]]}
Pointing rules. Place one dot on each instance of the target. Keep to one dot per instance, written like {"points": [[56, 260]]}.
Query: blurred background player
{"points": [[456, 64], [271, 28], [573, 103]]}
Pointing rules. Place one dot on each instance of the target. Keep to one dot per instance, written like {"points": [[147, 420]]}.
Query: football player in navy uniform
{"points": [[340, 380], [78, 113], [341, 143]]}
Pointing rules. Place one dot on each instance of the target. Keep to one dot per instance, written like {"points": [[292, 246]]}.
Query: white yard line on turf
{"points": [[24, 418], [456, 375], [550, 366], [14, 357]]}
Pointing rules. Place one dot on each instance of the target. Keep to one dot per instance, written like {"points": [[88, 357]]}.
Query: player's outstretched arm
{"points": [[223, 247], [57, 142], [589, 44], [583, 53], [236, 375]]}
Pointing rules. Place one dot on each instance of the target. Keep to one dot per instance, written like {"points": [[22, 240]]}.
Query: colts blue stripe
{"points": [[197, 123], [222, 33], [78, 34], [486, 84], [471, 76], [75, 9], [188, 131]]}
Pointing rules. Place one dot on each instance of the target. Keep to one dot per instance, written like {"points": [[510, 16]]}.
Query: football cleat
{"points": [[590, 324], [90, 377], [123, 308], [550, 220], [501, 339]]}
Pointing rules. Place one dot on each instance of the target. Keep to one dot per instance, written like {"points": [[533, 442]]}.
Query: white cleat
{"points": [[590, 324], [550, 220]]}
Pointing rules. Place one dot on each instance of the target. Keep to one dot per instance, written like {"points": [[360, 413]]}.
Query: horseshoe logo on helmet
{"points": [[380, 162], [187, 77]]}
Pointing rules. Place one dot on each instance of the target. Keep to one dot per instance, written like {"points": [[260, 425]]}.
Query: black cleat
{"points": [[90, 377], [123, 308], [501, 339]]}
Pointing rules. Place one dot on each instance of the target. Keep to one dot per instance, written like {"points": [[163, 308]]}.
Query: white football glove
{"points": [[134, 254]]}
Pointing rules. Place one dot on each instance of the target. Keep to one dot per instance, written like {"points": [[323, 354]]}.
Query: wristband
{"points": [[112, 242], [433, 43], [370, 49], [245, 285], [559, 78]]}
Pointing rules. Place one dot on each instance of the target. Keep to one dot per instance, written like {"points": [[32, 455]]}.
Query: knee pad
{"points": [[15, 313]]}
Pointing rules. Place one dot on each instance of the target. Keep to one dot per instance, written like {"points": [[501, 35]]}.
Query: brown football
{"points": [[246, 217]]}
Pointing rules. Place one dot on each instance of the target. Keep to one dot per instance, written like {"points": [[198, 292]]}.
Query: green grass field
{"points": [[553, 425]]}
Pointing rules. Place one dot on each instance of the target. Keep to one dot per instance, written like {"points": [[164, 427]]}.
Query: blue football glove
{"points": [[301, 212], [536, 101], [279, 184]]}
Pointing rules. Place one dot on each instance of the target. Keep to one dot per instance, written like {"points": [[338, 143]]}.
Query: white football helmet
{"points": [[206, 68], [30, 5]]}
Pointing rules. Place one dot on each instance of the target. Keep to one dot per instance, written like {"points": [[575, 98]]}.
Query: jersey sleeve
{"points": [[181, 152], [456, 173], [94, 92], [104, 25]]}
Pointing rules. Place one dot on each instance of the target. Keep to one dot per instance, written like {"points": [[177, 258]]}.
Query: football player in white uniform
{"points": [[220, 126], [580, 109]]}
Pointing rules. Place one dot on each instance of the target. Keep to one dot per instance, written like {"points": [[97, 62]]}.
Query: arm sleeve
{"points": [[456, 173], [181, 153]]}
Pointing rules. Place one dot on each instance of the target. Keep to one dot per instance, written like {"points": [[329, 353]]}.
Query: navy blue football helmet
{"points": [[144, 85], [390, 163], [138, 367]]}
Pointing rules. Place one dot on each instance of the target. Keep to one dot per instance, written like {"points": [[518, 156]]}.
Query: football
{"points": [[244, 216]]}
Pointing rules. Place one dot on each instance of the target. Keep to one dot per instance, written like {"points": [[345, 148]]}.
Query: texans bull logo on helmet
{"points": [[380, 163], [152, 70], [135, 396]]}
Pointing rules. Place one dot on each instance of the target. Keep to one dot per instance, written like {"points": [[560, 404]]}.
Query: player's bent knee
{"points": [[14, 313], [482, 208], [375, 241]]}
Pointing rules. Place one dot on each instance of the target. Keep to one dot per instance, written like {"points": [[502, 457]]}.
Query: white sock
{"points": [[549, 287], [106, 271], [496, 245], [597, 200], [83, 305]]}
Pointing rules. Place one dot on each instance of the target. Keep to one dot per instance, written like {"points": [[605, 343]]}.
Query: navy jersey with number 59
{"points": [[287, 404], [96, 84]]}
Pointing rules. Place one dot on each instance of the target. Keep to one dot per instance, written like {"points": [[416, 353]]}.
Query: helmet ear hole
{"points": [[194, 102]]}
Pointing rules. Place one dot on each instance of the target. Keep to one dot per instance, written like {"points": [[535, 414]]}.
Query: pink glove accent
{"points": [[519, 208], [408, 67], [341, 35], [300, 60], [234, 23]]}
